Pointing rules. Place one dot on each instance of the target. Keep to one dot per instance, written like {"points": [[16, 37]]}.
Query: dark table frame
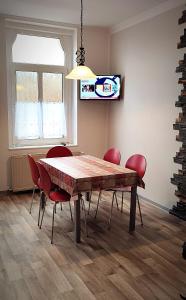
{"points": [[77, 209], [77, 213]]}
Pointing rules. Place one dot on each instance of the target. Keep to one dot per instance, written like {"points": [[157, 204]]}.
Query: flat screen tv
{"points": [[103, 87]]}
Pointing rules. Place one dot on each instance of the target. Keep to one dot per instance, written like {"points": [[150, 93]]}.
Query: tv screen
{"points": [[103, 87]]}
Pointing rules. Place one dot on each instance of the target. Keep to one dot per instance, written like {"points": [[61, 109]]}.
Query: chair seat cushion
{"points": [[122, 189], [59, 196], [128, 188], [54, 186]]}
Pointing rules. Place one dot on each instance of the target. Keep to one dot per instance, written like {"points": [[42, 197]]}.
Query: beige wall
{"points": [[93, 116], [146, 56], [92, 131]]}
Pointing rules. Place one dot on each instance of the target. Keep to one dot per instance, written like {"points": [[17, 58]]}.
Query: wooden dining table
{"points": [[86, 173]]}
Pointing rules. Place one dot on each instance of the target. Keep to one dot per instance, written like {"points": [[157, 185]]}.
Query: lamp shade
{"points": [[81, 72]]}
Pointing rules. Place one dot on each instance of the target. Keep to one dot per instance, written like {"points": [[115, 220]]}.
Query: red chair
{"points": [[35, 177], [54, 195], [138, 163], [58, 151], [112, 155]]}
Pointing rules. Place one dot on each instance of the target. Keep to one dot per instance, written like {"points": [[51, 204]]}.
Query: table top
{"points": [[85, 173]]}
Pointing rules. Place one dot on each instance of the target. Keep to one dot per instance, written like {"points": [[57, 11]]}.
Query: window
{"points": [[39, 117], [42, 111], [37, 50]]}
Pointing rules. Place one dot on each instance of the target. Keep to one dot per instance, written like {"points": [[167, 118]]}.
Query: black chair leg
{"points": [[33, 193], [90, 196], [85, 217], [43, 214], [122, 203], [116, 201], [110, 218], [99, 197], [54, 209], [61, 206], [139, 209], [70, 211], [40, 207]]}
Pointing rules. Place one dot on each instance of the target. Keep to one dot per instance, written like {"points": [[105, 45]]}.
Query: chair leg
{"points": [[99, 197], [90, 196], [122, 203], [81, 206], [70, 211], [40, 207], [54, 209], [33, 193], [43, 214], [139, 209], [116, 201], [61, 206], [85, 218], [114, 195]]}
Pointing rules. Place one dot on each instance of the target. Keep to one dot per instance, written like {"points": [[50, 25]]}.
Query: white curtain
{"points": [[35, 120], [54, 121]]}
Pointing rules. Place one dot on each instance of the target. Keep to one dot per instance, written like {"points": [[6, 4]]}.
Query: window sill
{"points": [[39, 147]]}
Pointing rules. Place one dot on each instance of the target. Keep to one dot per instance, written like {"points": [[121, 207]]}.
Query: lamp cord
{"points": [[80, 59], [81, 23]]}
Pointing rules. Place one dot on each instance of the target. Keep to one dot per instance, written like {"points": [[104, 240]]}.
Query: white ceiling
{"points": [[96, 12]]}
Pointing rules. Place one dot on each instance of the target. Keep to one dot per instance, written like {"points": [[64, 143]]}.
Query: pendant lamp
{"points": [[81, 71]]}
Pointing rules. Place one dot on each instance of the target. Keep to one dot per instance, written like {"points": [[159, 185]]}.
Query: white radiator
{"points": [[20, 172]]}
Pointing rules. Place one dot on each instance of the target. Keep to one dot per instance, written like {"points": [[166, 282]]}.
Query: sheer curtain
{"points": [[27, 116], [54, 121], [39, 120]]}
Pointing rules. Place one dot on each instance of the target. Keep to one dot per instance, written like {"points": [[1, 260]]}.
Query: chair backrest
{"points": [[45, 181], [58, 151], [34, 169], [113, 155], [138, 163]]}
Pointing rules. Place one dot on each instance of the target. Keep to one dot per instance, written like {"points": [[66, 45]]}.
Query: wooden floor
{"points": [[106, 265]]}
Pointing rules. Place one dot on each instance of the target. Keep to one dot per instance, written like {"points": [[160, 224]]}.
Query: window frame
{"points": [[68, 39], [40, 69]]}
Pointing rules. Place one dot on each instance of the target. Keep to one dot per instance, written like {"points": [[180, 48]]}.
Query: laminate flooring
{"points": [[108, 264]]}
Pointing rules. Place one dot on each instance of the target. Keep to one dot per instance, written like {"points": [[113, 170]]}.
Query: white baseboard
{"points": [[154, 203]]}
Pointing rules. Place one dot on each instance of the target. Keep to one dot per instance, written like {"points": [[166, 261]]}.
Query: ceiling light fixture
{"points": [[81, 71]]}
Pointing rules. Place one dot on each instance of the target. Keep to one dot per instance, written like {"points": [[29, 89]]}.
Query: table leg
{"points": [[77, 219], [132, 209]]}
